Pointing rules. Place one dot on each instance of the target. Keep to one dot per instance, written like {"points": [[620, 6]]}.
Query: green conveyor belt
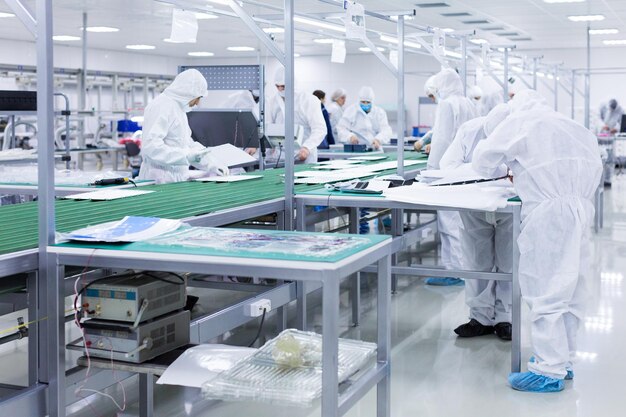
{"points": [[18, 223]]}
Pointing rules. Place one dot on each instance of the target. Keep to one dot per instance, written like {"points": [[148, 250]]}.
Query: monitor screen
{"points": [[217, 127], [623, 126]]}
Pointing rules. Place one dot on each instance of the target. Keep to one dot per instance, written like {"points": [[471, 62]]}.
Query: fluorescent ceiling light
{"points": [[448, 30], [615, 42], [587, 18], [273, 30], [65, 38], [391, 39], [563, 1], [603, 31], [453, 54], [366, 49], [200, 54], [222, 2], [319, 24], [168, 40], [140, 47], [517, 69], [240, 48], [4, 14], [541, 75], [479, 41], [296, 55], [324, 40], [101, 29], [205, 16]]}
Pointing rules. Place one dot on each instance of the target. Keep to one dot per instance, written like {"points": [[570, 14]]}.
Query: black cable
{"points": [[132, 182], [280, 153], [258, 333]]}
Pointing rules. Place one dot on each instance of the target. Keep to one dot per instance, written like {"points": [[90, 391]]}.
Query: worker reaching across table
{"points": [[611, 116], [365, 122], [424, 141], [486, 240], [167, 146], [556, 171], [453, 109]]}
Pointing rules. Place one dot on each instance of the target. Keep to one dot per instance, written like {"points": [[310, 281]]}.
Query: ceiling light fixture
{"points": [[205, 16], [563, 1], [479, 41], [448, 30], [101, 29], [452, 54], [200, 54], [273, 30], [140, 47], [240, 48], [324, 41], [319, 24], [168, 40], [603, 31], [586, 18], [65, 38], [4, 14], [615, 42], [391, 39], [366, 49]]}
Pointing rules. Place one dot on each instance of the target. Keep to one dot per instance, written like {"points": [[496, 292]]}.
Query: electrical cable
{"points": [[258, 334]]}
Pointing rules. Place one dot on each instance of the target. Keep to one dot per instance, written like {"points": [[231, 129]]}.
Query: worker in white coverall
{"points": [[335, 108], [167, 147], [556, 170], [424, 141], [453, 110], [307, 113], [486, 240], [364, 122]]}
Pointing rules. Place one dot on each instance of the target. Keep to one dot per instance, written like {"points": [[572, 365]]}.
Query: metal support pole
{"points": [[52, 362], [556, 88], [535, 73], [464, 64], [12, 140], [516, 308], [114, 88], [289, 112], [588, 82], [83, 75], [145, 92], [506, 75], [573, 95], [400, 82]]}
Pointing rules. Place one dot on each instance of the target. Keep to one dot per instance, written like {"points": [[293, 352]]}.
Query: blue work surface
{"points": [[247, 243]]}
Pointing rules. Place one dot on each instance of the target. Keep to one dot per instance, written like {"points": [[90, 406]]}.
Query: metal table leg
{"points": [[330, 348], [383, 391], [355, 286], [146, 395], [516, 313]]}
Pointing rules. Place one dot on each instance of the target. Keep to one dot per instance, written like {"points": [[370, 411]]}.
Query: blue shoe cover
{"points": [[568, 377], [531, 382], [444, 282]]}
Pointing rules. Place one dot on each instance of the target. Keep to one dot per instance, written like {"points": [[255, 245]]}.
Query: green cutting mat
{"points": [[18, 223]]}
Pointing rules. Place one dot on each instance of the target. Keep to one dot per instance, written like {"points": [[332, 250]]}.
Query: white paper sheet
{"points": [[107, 194], [230, 155], [202, 363], [487, 196], [229, 178], [368, 158], [129, 229]]}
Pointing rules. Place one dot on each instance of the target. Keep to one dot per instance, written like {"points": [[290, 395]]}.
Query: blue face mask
{"points": [[366, 107]]}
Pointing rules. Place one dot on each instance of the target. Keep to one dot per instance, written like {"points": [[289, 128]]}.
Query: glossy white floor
{"points": [[436, 374]]}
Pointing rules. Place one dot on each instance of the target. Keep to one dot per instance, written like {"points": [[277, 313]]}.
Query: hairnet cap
{"points": [[613, 103], [337, 94], [447, 83], [475, 91], [495, 117], [279, 76], [527, 100], [366, 94], [429, 86], [187, 85]]}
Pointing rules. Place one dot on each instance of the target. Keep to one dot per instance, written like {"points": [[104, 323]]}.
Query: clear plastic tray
{"points": [[287, 370]]}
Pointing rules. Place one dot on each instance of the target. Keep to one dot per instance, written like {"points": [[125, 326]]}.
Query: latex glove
{"points": [[194, 156], [250, 151], [427, 149], [212, 166], [354, 140], [418, 145], [303, 154], [376, 144]]}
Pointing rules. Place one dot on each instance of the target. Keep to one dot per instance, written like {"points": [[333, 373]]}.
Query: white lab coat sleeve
{"points": [[443, 132], [343, 127], [154, 146], [498, 148], [455, 154], [384, 135], [314, 117]]}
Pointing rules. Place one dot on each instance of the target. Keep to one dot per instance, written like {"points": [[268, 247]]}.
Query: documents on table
{"points": [[107, 194], [349, 173], [229, 178], [129, 229], [368, 158], [230, 155]]}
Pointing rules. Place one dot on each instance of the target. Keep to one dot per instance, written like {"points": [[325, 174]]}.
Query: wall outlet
{"points": [[255, 309]]}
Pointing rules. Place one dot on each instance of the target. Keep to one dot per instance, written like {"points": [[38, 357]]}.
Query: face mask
{"points": [[281, 93], [366, 107]]}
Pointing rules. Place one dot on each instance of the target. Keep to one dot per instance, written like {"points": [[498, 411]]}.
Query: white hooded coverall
{"points": [[486, 238], [453, 110], [167, 147], [556, 168], [366, 126]]}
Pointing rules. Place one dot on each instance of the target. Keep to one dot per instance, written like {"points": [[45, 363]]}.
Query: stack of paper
{"points": [[129, 229], [229, 178], [107, 194]]}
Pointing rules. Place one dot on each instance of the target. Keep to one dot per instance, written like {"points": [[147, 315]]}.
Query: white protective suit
{"points": [[556, 169], [486, 238], [492, 95], [366, 126], [335, 111], [167, 147], [242, 100], [611, 118], [453, 110]]}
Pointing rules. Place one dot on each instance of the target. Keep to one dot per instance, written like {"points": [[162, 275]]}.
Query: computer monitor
{"points": [[217, 127], [623, 126]]}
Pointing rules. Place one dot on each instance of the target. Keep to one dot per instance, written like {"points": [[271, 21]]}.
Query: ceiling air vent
{"points": [[431, 5], [476, 22], [458, 14]]}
